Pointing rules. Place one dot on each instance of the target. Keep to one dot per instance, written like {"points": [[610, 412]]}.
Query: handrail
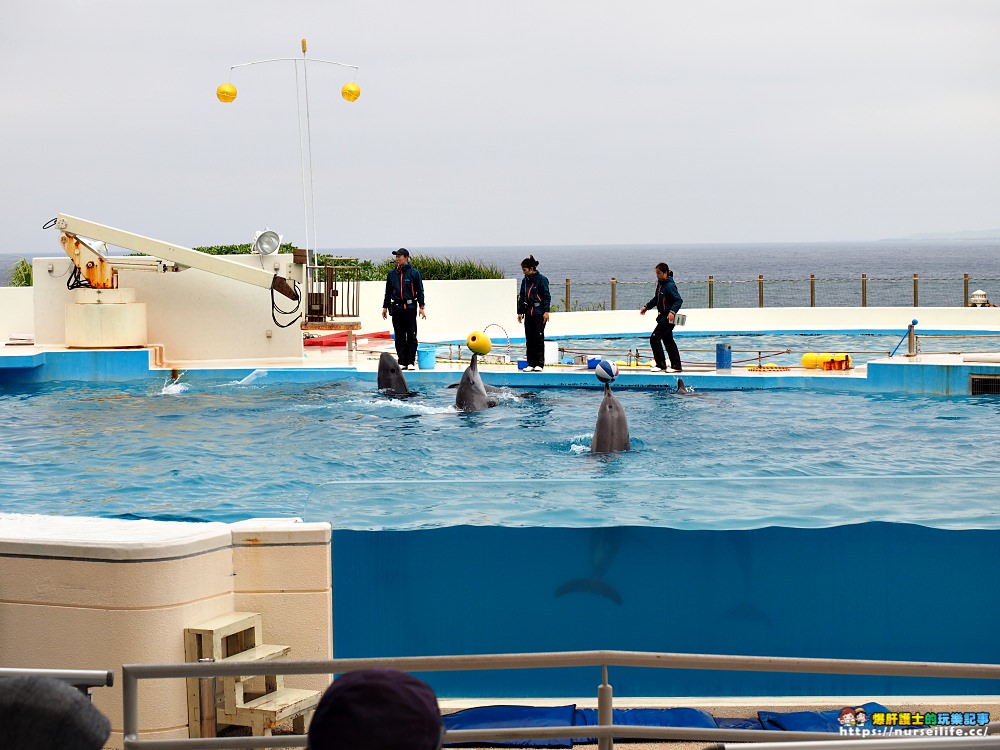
{"points": [[81, 679], [132, 673]]}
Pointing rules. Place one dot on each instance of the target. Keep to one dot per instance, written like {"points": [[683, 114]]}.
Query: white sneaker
{"points": [[671, 369], [654, 368], [539, 369]]}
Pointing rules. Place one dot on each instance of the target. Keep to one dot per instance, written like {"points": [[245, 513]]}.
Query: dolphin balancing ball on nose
{"points": [[611, 431], [479, 343]]}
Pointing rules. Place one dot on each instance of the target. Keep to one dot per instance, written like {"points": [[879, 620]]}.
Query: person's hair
{"points": [[663, 268], [529, 262]]}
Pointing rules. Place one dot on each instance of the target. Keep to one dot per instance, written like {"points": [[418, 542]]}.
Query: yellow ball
{"points": [[226, 92], [810, 360], [479, 342], [351, 91]]}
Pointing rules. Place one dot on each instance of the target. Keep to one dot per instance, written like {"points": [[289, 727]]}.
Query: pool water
{"points": [[345, 453], [769, 522]]}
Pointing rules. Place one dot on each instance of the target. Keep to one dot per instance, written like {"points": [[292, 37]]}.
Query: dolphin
{"points": [[681, 388], [604, 545], [390, 378], [611, 430], [471, 394]]}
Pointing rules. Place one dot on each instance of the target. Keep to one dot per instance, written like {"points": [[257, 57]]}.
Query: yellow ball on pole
{"points": [[351, 91], [226, 92]]}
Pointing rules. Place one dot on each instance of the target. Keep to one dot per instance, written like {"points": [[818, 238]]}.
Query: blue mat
{"points": [[563, 716]]}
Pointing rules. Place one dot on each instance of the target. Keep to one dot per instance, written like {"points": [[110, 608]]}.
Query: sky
{"points": [[502, 122]]}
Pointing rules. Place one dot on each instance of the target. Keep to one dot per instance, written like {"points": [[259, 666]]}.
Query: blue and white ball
{"points": [[606, 371]]}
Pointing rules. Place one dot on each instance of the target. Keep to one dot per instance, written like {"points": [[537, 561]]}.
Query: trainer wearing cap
{"points": [[404, 296], [377, 709]]}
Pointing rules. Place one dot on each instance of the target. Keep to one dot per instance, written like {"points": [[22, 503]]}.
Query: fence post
{"points": [[864, 290], [711, 291], [916, 300], [760, 290], [605, 711], [614, 284], [812, 290], [965, 303], [567, 295]]}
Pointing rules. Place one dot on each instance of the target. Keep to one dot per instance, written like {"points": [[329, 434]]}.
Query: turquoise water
{"points": [[342, 452]]}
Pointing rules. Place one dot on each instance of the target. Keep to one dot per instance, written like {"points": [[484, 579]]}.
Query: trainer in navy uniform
{"points": [[404, 296], [533, 310], [667, 302]]}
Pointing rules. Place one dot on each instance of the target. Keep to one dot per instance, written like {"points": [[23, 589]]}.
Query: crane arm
{"points": [[99, 270]]}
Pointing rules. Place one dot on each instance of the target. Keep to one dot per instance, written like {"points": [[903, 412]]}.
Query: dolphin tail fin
{"points": [[590, 586]]}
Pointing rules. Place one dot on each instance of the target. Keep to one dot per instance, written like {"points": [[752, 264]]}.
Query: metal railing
{"points": [[82, 679], [863, 291], [605, 731]]}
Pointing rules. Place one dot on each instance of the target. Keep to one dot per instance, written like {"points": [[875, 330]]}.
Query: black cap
{"points": [[376, 709], [46, 714], [402, 251]]}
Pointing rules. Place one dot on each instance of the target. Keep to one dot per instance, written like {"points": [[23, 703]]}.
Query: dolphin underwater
{"points": [[390, 378], [604, 545], [471, 394], [681, 388], [611, 430]]}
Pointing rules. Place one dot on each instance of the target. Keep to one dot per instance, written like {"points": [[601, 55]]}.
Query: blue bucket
{"points": [[723, 356], [426, 357]]}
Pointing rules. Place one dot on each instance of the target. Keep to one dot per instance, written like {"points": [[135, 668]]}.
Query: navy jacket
{"points": [[533, 297], [403, 288], [667, 299]]}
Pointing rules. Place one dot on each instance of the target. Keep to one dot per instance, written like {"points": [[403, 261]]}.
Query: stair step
{"points": [[228, 624], [264, 652], [275, 707]]}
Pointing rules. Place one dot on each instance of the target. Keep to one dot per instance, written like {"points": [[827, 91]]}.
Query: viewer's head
{"points": [[377, 709], [402, 256], [663, 271], [43, 713], [529, 265]]}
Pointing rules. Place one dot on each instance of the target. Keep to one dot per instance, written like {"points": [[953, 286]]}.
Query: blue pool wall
{"points": [[884, 376], [861, 591]]}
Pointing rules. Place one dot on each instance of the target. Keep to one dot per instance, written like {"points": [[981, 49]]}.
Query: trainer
{"points": [[404, 296]]}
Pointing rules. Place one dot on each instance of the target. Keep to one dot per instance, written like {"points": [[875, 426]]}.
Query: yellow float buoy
{"points": [[226, 93], [810, 360], [479, 342], [351, 91]]}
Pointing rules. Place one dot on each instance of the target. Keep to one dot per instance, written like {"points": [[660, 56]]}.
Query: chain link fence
{"points": [[812, 292]]}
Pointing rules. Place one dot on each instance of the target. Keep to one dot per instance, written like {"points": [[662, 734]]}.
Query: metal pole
{"points": [[614, 285], [605, 710], [760, 290], [812, 290], [711, 291], [864, 290], [965, 296], [206, 703], [916, 302], [911, 341], [567, 295]]}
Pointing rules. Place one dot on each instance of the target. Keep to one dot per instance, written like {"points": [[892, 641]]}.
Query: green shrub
{"points": [[20, 274], [431, 268]]}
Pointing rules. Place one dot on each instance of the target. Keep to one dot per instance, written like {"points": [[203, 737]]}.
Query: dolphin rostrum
{"points": [[611, 430], [390, 379], [471, 394]]}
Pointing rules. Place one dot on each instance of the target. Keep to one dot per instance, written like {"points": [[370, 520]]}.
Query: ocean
{"points": [[896, 260]]}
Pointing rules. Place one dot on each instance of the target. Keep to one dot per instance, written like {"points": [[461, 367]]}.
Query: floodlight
{"points": [[266, 242]]}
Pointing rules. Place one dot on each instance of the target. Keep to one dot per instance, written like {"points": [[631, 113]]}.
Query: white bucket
{"points": [[551, 352]]}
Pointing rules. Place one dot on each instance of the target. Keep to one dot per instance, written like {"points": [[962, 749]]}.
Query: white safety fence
{"points": [[605, 731]]}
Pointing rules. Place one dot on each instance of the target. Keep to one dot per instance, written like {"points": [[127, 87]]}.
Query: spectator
{"points": [[42, 713], [377, 709]]}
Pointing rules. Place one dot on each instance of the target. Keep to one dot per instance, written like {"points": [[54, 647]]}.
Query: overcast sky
{"points": [[506, 122]]}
